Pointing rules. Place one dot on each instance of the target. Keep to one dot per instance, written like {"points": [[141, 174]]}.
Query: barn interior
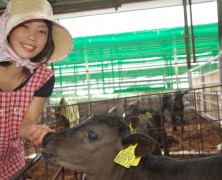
{"points": [[108, 72]]}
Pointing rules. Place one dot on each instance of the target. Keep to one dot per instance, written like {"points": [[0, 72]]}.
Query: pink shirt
{"points": [[13, 106]]}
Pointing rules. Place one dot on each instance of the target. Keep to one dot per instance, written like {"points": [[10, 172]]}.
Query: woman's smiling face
{"points": [[28, 39]]}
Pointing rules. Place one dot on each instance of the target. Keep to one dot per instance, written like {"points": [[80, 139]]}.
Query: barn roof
{"points": [[71, 6]]}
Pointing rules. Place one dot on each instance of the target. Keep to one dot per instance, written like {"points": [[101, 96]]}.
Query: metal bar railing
{"points": [[61, 172], [23, 170], [112, 110]]}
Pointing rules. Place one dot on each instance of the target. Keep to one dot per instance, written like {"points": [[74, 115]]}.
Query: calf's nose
{"points": [[47, 138]]}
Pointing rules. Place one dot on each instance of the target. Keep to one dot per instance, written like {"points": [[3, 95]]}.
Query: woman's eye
{"points": [[43, 32], [92, 137]]}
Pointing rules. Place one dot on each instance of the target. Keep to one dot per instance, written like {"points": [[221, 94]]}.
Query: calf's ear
{"points": [[145, 144]]}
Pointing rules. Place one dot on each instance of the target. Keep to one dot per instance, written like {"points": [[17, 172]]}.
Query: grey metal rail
{"points": [[23, 170]]}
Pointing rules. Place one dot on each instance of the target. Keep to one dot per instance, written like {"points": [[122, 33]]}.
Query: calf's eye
{"points": [[92, 136]]}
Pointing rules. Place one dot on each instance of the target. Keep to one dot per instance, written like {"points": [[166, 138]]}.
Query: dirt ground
{"points": [[199, 138]]}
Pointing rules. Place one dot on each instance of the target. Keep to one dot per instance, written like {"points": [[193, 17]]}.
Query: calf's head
{"points": [[93, 144], [133, 109], [141, 124]]}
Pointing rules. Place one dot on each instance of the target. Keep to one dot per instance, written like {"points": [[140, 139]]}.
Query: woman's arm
{"points": [[28, 128]]}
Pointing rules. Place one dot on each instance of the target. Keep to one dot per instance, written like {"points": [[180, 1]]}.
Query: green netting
{"points": [[121, 60]]}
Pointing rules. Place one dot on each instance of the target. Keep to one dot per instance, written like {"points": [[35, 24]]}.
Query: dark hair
{"points": [[46, 53], [49, 47]]}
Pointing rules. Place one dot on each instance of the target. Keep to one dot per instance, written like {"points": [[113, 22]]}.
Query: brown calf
{"points": [[150, 123]]}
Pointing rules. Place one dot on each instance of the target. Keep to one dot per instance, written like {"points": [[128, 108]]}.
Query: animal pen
{"points": [[199, 137], [96, 69]]}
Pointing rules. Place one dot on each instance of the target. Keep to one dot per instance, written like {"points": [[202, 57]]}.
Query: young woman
{"points": [[29, 38]]}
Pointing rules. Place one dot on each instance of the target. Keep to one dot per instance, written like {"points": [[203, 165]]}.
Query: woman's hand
{"points": [[28, 128], [35, 133]]}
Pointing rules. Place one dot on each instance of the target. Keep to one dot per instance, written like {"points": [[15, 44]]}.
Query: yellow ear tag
{"points": [[132, 130], [127, 158], [136, 161], [148, 115]]}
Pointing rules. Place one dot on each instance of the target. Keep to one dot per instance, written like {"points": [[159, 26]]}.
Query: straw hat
{"points": [[23, 10]]}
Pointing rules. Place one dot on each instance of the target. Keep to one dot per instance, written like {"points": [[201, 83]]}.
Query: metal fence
{"points": [[197, 137]]}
